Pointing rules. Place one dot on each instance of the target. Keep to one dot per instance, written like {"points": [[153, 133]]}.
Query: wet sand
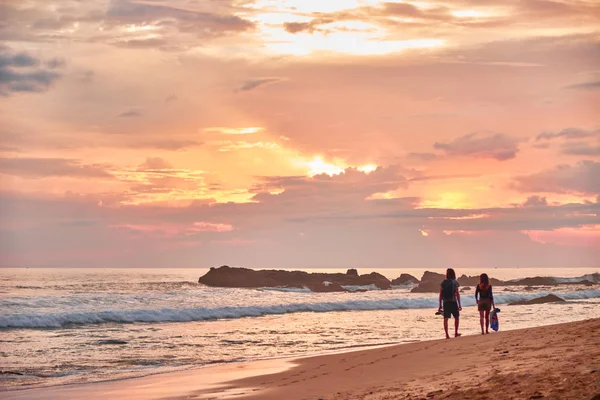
{"points": [[552, 362]]}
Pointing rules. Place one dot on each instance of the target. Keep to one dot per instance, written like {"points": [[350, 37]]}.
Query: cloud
{"points": [[339, 224], [423, 156], [211, 227], [295, 27], [310, 27], [51, 167], [337, 229], [18, 60], [155, 163], [251, 84], [584, 85], [582, 178], [442, 177], [145, 43], [573, 141], [482, 145], [163, 144], [202, 24], [21, 72], [174, 26], [337, 193], [412, 11], [581, 149], [131, 114], [535, 201], [569, 133]]}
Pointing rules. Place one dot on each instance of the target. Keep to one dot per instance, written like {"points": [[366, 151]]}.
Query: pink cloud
{"points": [[210, 227]]}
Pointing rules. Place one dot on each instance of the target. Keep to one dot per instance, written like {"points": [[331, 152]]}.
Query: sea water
{"points": [[60, 326]]}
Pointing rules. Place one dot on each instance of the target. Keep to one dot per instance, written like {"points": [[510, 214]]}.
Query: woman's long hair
{"points": [[484, 281], [450, 274]]}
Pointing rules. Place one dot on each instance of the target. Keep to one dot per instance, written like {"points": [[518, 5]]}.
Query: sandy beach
{"points": [[552, 362]]}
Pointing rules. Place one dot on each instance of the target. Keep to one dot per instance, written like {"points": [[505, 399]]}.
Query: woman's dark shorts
{"points": [[451, 309], [484, 305]]}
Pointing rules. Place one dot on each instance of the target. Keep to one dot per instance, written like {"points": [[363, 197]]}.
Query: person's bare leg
{"points": [[487, 322], [481, 320], [456, 334], [446, 328]]}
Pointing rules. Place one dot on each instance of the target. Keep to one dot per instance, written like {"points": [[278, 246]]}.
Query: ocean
{"points": [[63, 326]]}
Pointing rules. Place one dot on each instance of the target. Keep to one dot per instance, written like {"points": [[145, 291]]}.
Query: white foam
{"points": [[354, 288], [589, 277], [287, 289], [58, 320]]}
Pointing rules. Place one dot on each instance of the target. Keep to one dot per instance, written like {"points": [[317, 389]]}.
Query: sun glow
{"points": [[317, 167], [311, 6], [140, 28], [351, 43], [447, 200], [384, 196], [471, 216], [234, 131], [367, 169]]}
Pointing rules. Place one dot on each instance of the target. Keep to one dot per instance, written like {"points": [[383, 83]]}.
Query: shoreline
{"points": [[460, 368]]}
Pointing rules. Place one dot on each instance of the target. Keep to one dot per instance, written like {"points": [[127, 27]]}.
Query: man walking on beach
{"points": [[451, 301]]}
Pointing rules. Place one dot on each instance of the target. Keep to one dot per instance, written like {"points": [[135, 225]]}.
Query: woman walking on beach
{"points": [[451, 301], [485, 301]]}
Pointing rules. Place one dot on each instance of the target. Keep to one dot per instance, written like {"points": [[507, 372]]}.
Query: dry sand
{"points": [[553, 362]]}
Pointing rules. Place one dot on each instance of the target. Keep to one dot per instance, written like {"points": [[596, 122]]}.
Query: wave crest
{"points": [[61, 320]]}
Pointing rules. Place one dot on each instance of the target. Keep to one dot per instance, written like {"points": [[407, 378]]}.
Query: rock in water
{"points": [[404, 279], [226, 276], [540, 300]]}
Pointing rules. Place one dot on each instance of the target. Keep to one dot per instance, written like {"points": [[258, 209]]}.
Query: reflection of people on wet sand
{"points": [[451, 301], [485, 301]]}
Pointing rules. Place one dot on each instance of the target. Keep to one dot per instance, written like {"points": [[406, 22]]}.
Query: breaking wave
{"points": [[60, 320]]}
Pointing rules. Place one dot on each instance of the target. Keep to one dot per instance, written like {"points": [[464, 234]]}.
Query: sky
{"points": [[300, 133]]}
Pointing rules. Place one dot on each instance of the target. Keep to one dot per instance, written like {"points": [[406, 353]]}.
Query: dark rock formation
{"points": [[226, 276], [427, 287], [352, 272], [587, 280], [430, 283], [535, 281], [540, 300], [432, 276], [404, 279], [466, 280]]}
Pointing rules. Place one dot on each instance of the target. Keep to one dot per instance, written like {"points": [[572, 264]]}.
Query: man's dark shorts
{"points": [[451, 309]]}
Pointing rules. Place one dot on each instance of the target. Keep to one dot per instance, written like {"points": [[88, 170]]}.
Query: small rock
{"points": [[112, 341]]}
